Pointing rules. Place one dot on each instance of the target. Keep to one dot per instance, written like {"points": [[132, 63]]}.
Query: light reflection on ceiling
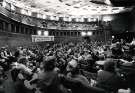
{"points": [[69, 7]]}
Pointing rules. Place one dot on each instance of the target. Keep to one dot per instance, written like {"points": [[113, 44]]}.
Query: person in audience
{"points": [[133, 41], [2, 79], [73, 72], [59, 67], [5, 58], [107, 78], [77, 82], [47, 80]]}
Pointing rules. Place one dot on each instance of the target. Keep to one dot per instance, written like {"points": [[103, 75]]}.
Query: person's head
{"points": [[41, 65], [3, 48], [109, 65], [23, 60], [30, 65], [133, 58], [72, 65], [1, 70], [20, 48], [101, 57], [49, 63]]}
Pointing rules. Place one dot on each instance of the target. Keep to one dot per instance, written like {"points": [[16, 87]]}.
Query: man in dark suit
{"points": [[47, 80], [76, 82]]}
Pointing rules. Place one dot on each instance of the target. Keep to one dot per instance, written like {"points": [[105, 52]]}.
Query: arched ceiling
{"points": [[70, 7]]}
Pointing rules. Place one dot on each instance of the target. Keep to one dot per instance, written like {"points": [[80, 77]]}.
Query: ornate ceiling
{"points": [[70, 7]]}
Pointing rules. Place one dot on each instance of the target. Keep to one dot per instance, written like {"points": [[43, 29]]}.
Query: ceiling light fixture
{"points": [[4, 4], [46, 33], [108, 2], [44, 17], [83, 33], [12, 7], [89, 33], [39, 32]]}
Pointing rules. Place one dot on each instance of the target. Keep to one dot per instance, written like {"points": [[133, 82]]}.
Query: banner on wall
{"points": [[39, 38]]}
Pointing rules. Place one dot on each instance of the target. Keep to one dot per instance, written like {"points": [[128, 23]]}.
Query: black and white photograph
{"points": [[67, 46]]}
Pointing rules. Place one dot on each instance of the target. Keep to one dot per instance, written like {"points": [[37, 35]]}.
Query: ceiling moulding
{"points": [[83, 8]]}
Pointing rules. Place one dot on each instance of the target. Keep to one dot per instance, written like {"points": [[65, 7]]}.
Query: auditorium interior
{"points": [[67, 46]]}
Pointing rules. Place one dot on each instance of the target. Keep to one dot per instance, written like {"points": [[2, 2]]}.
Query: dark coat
{"points": [[48, 82], [78, 87]]}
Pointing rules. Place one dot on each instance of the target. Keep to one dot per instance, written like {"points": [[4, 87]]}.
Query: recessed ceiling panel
{"points": [[70, 7]]}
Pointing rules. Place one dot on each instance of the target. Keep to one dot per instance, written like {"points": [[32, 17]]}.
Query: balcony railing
{"points": [[32, 21]]}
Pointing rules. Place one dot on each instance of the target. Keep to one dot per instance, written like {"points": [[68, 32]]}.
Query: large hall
{"points": [[67, 46]]}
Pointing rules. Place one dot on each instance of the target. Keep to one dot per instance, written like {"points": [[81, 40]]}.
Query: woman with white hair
{"points": [[77, 82]]}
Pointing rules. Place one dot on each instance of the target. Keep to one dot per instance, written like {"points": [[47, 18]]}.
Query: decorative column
{"points": [[19, 29], [24, 30], [107, 33], [4, 26], [15, 28], [9, 27]]}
